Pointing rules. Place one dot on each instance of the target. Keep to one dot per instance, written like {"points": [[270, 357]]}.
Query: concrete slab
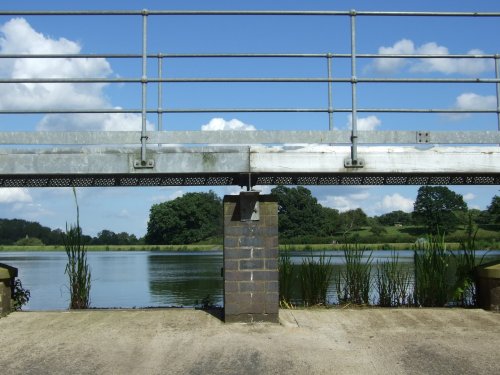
{"points": [[182, 341]]}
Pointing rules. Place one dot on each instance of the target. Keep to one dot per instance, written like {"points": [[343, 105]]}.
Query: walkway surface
{"points": [[183, 341]]}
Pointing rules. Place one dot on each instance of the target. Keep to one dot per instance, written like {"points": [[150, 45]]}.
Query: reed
{"points": [[393, 283], [77, 268], [353, 285], [315, 276], [465, 262], [431, 272], [285, 269]]}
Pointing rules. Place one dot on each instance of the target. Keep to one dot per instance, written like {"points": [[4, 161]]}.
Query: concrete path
{"points": [[183, 341]]}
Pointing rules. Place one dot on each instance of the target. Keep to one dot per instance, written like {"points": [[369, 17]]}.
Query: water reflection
{"points": [[184, 279]]}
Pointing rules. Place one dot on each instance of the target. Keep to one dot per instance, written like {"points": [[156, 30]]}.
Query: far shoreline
{"points": [[218, 248]]}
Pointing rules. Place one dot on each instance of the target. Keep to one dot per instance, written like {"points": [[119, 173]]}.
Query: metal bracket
{"points": [[423, 137], [143, 164], [349, 163], [249, 206]]}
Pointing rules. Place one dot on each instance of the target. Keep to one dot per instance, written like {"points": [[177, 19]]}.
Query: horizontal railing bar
{"points": [[250, 137], [240, 13], [242, 110], [249, 80], [243, 55]]}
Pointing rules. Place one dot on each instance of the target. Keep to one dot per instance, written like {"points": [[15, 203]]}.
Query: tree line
{"points": [[197, 217], [30, 233]]}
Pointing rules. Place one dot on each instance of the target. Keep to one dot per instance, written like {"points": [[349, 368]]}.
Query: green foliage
{"points": [[352, 220], [464, 290], [12, 230], [20, 296], [107, 237], [393, 283], [77, 267], [315, 277], [353, 284], [435, 208], [185, 220], [431, 272], [286, 275], [300, 214], [29, 241], [395, 217]]}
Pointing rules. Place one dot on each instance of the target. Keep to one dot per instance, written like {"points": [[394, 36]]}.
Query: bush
{"points": [[20, 296], [29, 241]]}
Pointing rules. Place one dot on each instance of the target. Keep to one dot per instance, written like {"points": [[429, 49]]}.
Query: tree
{"points": [[352, 220], [435, 208], [187, 219], [494, 210], [299, 213], [394, 217]]}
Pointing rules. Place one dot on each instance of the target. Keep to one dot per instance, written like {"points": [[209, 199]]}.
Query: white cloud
{"points": [[472, 101], [469, 197], [396, 202], [93, 122], [392, 65], [14, 195], [346, 202], [168, 197], [18, 37], [465, 66], [365, 123], [221, 124]]}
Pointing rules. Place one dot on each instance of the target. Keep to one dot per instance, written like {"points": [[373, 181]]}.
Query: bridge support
{"points": [[251, 291]]}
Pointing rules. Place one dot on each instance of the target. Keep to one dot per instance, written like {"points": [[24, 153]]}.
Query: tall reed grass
{"points": [[77, 267], [393, 283], [353, 285], [285, 268], [431, 272], [315, 276]]}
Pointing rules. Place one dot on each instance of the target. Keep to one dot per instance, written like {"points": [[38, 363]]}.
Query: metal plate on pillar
{"points": [[249, 206]]}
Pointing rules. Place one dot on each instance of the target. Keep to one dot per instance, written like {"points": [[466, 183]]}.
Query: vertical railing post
{"points": [[353, 162], [160, 93], [144, 82], [497, 76], [330, 106]]}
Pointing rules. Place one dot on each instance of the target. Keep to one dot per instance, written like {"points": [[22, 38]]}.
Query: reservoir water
{"points": [[131, 279]]}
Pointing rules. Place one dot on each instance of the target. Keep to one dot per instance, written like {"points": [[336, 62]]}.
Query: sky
{"points": [[127, 209]]}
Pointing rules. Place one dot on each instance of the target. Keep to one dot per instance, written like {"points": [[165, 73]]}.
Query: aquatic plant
{"points": [[431, 272], [353, 284], [77, 268], [464, 290], [315, 277], [393, 283], [285, 269], [20, 295]]}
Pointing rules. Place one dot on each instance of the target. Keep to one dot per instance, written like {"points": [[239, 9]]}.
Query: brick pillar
{"points": [[251, 291]]}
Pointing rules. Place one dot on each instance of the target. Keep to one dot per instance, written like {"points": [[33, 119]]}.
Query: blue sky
{"points": [[126, 209]]}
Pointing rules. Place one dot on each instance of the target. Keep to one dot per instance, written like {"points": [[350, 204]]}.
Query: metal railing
{"points": [[354, 136]]}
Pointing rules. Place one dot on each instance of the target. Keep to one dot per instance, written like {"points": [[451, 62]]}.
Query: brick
{"points": [[251, 286], [252, 264], [265, 275], [237, 275], [231, 241], [272, 286], [231, 286], [231, 265], [251, 241], [236, 253], [271, 264]]}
